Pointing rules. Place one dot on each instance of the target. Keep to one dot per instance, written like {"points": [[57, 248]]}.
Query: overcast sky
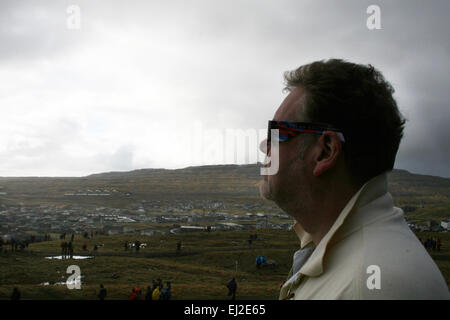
{"points": [[142, 84]]}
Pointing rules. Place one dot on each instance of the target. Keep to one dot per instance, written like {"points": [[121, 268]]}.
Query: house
{"points": [[128, 229], [230, 225], [147, 232], [192, 228], [113, 230]]}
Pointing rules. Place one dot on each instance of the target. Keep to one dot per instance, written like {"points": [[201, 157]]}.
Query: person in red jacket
{"points": [[134, 294]]}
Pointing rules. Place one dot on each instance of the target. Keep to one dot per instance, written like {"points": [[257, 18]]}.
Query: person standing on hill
{"points": [[70, 250], [179, 246], [329, 148], [102, 293], [156, 293], [133, 294], [159, 283], [63, 250], [232, 287], [137, 244], [148, 294], [166, 293], [15, 294]]}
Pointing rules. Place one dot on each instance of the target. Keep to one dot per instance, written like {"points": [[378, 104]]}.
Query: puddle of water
{"points": [[74, 257], [62, 283]]}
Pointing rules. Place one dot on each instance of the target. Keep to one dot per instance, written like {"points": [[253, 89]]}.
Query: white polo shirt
{"points": [[369, 253]]}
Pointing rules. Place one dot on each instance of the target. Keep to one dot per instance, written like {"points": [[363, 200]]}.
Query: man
{"points": [[156, 295], [15, 294], [102, 293], [338, 137], [137, 244], [63, 250], [232, 287], [166, 293], [70, 250]]}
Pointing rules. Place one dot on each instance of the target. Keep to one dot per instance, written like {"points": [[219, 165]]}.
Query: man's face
{"points": [[291, 174]]}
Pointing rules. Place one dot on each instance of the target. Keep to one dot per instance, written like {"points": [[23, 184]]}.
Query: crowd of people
{"points": [[260, 261], [90, 235], [155, 292], [14, 245], [432, 244], [66, 250]]}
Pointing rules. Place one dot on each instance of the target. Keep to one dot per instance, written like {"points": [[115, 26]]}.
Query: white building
{"points": [[231, 225], [192, 228]]}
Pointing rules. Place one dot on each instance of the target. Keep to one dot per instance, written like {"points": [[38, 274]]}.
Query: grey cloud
{"points": [[31, 30], [122, 158], [231, 55]]}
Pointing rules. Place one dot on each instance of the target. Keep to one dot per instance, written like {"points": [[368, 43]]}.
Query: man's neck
{"points": [[319, 216]]}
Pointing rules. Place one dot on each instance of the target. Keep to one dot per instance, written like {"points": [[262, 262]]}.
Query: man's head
{"points": [[354, 98]]}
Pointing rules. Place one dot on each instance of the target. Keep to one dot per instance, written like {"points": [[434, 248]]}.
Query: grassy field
{"points": [[208, 261], [201, 271]]}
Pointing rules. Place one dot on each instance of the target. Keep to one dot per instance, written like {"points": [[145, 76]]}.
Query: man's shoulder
{"points": [[391, 263]]}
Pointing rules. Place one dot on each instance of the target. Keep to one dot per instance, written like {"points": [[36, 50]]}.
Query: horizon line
{"points": [[181, 168]]}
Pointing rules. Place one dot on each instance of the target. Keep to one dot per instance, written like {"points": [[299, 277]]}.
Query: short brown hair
{"points": [[357, 99]]}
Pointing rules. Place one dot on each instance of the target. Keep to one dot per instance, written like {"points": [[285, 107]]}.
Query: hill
{"points": [[426, 197]]}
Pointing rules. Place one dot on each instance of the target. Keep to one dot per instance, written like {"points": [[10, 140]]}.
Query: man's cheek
{"points": [[271, 162]]}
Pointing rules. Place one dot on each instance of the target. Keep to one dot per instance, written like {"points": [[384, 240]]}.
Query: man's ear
{"points": [[329, 148]]}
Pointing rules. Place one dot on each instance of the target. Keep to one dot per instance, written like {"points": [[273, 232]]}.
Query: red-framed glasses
{"points": [[287, 130]]}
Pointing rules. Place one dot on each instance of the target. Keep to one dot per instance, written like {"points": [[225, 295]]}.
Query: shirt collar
{"points": [[370, 191]]}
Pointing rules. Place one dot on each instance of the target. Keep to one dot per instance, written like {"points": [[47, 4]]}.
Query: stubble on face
{"points": [[265, 189], [277, 187]]}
